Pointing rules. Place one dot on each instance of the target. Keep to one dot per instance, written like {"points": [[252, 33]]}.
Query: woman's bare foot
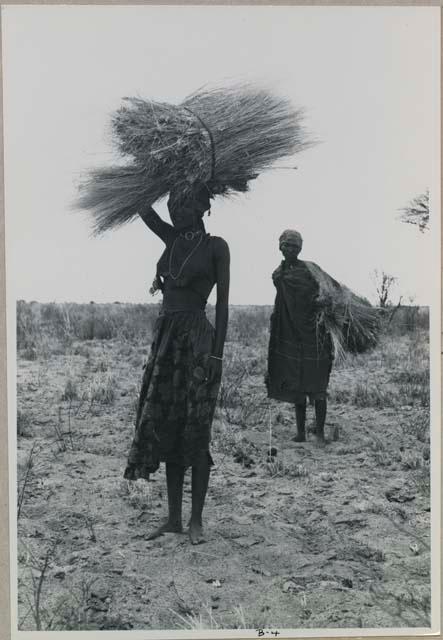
{"points": [[321, 440], [166, 527], [196, 532]]}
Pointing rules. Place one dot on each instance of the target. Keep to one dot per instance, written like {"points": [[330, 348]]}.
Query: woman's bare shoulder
{"points": [[220, 245]]}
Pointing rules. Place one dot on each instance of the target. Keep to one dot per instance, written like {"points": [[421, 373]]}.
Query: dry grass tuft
{"points": [[70, 391], [24, 428]]}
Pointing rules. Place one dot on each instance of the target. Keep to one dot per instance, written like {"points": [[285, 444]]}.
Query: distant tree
{"points": [[417, 212], [384, 283]]}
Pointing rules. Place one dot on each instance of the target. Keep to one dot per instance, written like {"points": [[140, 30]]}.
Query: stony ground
{"points": [[310, 538]]}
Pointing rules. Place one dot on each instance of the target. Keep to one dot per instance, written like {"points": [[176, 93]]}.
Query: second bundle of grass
{"points": [[352, 322]]}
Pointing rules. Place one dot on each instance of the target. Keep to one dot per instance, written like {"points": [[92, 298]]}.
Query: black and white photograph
{"points": [[222, 240]]}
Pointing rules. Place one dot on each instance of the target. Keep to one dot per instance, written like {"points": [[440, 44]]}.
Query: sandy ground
{"points": [[312, 538]]}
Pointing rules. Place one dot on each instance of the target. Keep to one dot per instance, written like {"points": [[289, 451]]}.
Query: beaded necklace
{"points": [[185, 261]]}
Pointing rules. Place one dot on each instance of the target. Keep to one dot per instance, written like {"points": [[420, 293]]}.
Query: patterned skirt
{"points": [[176, 404]]}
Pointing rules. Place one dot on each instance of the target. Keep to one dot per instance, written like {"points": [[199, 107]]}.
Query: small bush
{"points": [[102, 366], [411, 461], [103, 389], [365, 396], [30, 352], [139, 493], [415, 394], [278, 468], [23, 425], [71, 390], [63, 323], [249, 325], [422, 479], [405, 319]]}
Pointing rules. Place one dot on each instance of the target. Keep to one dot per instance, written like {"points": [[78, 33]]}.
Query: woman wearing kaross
{"points": [[300, 347]]}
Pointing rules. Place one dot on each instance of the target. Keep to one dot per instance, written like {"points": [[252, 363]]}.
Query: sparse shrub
{"points": [[197, 621], [134, 396], [30, 352], [82, 350], [298, 471], [278, 468], [27, 327], [339, 396], [61, 324], [368, 553], [139, 493], [377, 444], [365, 396], [102, 366], [102, 389], [249, 326], [411, 460], [406, 606], [236, 618], [63, 426], [38, 566], [382, 459], [411, 393], [238, 400], [74, 607], [24, 429], [70, 391], [57, 317], [422, 479], [229, 441], [406, 320], [137, 361], [412, 377], [234, 374], [25, 477], [70, 611], [326, 476], [410, 318], [369, 506]]}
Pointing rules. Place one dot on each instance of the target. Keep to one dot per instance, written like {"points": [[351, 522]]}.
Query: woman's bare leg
{"points": [[320, 419], [300, 421], [174, 480], [200, 480]]}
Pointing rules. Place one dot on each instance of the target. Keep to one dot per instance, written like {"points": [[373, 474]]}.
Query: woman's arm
{"points": [[161, 228], [222, 269]]}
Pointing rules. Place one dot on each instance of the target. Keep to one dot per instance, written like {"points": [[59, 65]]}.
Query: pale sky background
{"points": [[368, 78]]}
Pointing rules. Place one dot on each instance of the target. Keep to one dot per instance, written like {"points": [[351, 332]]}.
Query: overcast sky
{"points": [[368, 78]]}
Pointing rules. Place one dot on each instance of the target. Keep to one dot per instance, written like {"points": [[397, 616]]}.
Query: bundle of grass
{"points": [[222, 137], [352, 322]]}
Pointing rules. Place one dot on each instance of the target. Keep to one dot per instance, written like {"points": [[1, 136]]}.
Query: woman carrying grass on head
{"points": [[300, 348], [182, 377]]}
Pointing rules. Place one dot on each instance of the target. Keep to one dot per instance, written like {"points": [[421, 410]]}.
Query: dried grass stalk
{"points": [[354, 325], [222, 137]]}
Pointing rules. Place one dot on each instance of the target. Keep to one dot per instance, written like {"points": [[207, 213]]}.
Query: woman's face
{"points": [[183, 217], [290, 250], [185, 214]]}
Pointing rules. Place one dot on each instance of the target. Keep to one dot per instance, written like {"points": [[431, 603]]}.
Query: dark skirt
{"points": [[177, 404]]}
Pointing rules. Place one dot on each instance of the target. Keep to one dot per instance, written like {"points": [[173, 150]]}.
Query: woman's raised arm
{"points": [[152, 220]]}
